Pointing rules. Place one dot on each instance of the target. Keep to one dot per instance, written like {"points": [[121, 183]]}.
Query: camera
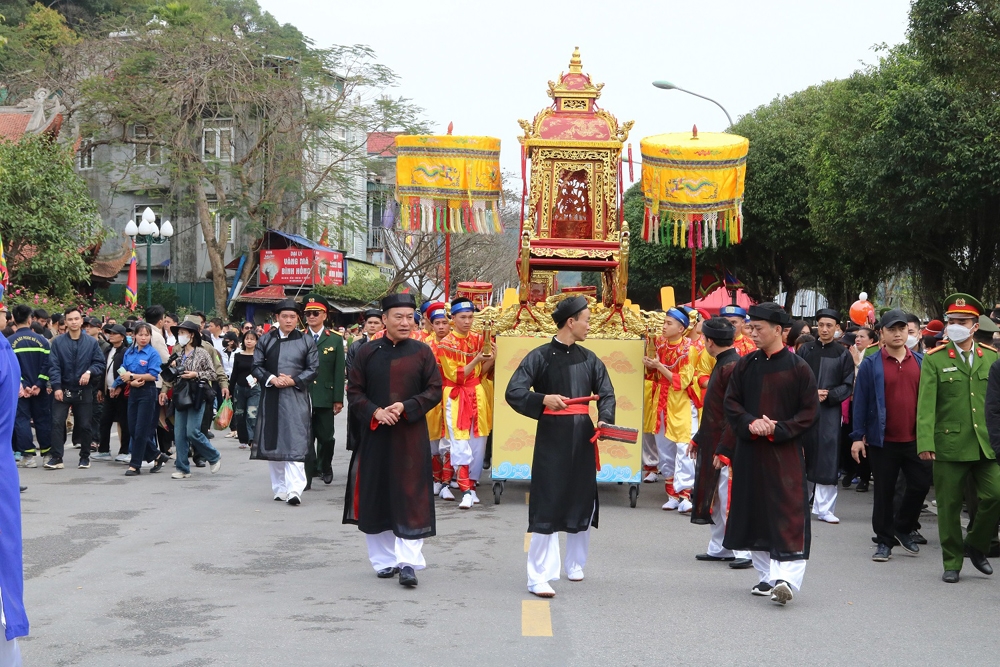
{"points": [[167, 371]]}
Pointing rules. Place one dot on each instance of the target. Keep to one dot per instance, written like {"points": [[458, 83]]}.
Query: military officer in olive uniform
{"points": [[327, 390], [951, 431]]}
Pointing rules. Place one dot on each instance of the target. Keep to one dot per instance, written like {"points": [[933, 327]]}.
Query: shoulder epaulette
{"points": [[936, 349], [334, 331], [989, 347]]}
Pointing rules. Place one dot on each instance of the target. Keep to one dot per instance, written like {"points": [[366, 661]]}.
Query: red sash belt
{"points": [[578, 406], [465, 392]]}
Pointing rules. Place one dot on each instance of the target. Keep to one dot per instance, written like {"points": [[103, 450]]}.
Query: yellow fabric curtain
{"points": [[693, 188], [448, 183]]}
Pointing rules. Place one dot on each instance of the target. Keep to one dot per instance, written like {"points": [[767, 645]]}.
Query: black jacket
{"points": [[69, 359]]}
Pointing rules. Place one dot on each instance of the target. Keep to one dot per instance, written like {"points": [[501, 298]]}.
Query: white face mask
{"points": [[837, 334], [911, 341], [183, 339], [957, 333]]}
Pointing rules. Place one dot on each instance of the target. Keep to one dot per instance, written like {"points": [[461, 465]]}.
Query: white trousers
{"points": [[720, 515], [288, 477], [675, 462], [771, 571], [10, 653], [543, 556], [470, 452], [650, 454], [387, 550], [824, 499]]}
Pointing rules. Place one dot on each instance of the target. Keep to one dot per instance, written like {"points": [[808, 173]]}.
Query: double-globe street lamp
{"points": [[147, 232]]}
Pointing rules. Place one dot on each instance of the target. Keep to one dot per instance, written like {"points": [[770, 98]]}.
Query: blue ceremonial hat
{"points": [[462, 305], [680, 316], [424, 306], [732, 311]]}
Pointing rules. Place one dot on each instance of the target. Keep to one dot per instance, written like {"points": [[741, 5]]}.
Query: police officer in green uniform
{"points": [[951, 431], [327, 390]]}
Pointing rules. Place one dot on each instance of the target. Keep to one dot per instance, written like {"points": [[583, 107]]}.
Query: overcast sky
{"points": [[484, 65]]}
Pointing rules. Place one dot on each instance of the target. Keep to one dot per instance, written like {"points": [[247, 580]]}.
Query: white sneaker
{"points": [[437, 488], [475, 498], [100, 456], [180, 475], [215, 466], [123, 458], [282, 497], [829, 518], [466, 501], [685, 506], [446, 494], [453, 484], [30, 462], [575, 575], [542, 590], [671, 504], [650, 477]]}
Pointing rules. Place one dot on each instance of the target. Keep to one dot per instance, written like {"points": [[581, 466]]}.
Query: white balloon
{"points": [[863, 296]]}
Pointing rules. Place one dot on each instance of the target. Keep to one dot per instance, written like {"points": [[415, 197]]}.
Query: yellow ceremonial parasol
{"points": [[693, 188], [448, 184]]}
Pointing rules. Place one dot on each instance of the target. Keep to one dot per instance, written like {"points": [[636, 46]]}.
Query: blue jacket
{"points": [[869, 400], [11, 560], [69, 359], [32, 351], [146, 360]]}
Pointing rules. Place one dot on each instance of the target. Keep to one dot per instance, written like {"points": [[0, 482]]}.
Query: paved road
{"points": [[210, 571]]}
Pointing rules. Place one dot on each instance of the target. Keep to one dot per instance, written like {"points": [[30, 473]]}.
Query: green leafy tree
{"points": [[905, 176], [47, 218], [959, 38], [296, 117]]}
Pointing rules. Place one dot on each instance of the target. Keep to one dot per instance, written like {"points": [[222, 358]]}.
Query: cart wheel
{"points": [[633, 495], [497, 492]]}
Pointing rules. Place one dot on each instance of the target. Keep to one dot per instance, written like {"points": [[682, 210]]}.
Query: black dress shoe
{"points": [[707, 557], [387, 572], [741, 564], [950, 577], [23, 489], [917, 537], [328, 478], [906, 541], [862, 486], [200, 463], [156, 466], [978, 559], [309, 485], [407, 577], [131, 472], [846, 482]]}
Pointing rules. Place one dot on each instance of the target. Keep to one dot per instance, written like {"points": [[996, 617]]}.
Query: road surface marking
{"points": [[536, 619]]}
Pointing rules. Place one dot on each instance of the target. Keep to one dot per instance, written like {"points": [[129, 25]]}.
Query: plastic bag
{"points": [[223, 416]]}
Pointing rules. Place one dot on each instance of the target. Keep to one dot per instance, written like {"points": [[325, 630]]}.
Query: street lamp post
{"points": [[149, 231], [666, 85]]}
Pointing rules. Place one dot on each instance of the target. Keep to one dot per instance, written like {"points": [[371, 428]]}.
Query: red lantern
{"points": [[862, 311]]}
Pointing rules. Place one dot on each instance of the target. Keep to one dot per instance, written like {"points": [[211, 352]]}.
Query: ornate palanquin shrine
{"points": [[573, 221]]}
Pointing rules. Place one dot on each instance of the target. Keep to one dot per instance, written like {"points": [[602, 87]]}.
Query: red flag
{"points": [[132, 286]]}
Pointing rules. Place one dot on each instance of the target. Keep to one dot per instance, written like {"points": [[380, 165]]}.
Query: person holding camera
{"points": [[74, 360], [191, 371], [140, 370]]}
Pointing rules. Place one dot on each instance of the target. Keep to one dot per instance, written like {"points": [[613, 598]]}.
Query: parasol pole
{"points": [[694, 269], [447, 265]]}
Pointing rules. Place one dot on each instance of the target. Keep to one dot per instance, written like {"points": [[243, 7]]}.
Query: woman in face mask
{"points": [[193, 364]]}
